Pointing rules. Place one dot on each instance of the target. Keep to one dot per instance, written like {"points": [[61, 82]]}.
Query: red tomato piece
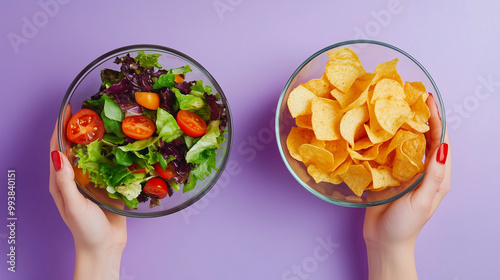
{"points": [[191, 124], [156, 186], [168, 173], [138, 127], [135, 168], [85, 127]]}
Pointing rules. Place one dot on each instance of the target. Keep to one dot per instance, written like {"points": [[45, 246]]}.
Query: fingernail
{"points": [[442, 153], [56, 160]]}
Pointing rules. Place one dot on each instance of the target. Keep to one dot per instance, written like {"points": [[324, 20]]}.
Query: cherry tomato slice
{"points": [[84, 127], [149, 100], [168, 173], [138, 127], [156, 186], [191, 124], [135, 168]]}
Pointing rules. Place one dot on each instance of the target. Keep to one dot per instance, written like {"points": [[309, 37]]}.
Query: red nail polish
{"points": [[442, 153], [56, 160]]}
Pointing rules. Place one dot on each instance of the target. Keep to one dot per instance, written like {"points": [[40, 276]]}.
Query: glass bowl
{"points": [[371, 53], [87, 83]]}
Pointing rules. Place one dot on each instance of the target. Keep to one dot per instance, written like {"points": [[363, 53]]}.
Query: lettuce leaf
{"points": [[203, 154], [188, 101], [148, 60], [166, 126]]}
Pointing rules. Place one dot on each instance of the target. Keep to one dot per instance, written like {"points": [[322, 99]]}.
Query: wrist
{"points": [[96, 263], [391, 261]]}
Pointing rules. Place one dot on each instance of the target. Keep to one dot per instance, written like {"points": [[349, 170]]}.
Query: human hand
{"points": [[390, 230], [99, 235]]}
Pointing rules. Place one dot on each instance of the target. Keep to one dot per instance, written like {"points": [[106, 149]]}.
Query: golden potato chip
{"points": [[357, 178], [403, 167], [399, 138], [326, 118], [358, 87], [414, 148], [351, 125], [320, 175], [413, 91], [342, 168], [311, 154], [387, 89], [318, 143], [296, 138], [362, 144], [422, 113], [381, 176], [377, 136], [321, 87], [370, 154], [304, 121], [299, 101], [343, 68], [387, 70], [360, 101], [339, 150], [391, 114]]}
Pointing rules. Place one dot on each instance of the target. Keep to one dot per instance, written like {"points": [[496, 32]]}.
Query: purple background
{"points": [[263, 223]]}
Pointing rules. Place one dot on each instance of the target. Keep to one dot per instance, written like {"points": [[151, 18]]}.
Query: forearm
{"points": [[391, 262], [102, 264]]}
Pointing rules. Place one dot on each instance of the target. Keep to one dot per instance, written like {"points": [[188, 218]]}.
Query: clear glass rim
{"points": [[277, 123], [147, 47]]}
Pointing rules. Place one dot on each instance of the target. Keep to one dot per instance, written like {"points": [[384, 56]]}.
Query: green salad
{"points": [[148, 132]]}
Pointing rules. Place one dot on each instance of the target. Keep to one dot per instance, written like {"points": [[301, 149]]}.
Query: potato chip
{"points": [[351, 125], [358, 87], [320, 175], [321, 87], [343, 68], [399, 138], [381, 176], [413, 91], [311, 154], [299, 101], [339, 150], [391, 114], [387, 89], [304, 121], [422, 113], [342, 168], [370, 154], [387, 70], [360, 101], [318, 143], [377, 136], [403, 167], [362, 144], [326, 118], [296, 138], [357, 178], [414, 148]]}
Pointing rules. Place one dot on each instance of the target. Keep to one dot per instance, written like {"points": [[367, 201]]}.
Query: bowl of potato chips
{"points": [[351, 123]]}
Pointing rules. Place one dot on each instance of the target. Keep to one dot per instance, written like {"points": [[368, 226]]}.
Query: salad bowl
{"points": [[171, 168]]}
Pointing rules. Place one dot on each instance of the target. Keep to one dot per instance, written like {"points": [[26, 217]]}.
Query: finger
{"points": [[433, 179], [65, 182], [433, 136], [444, 187]]}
